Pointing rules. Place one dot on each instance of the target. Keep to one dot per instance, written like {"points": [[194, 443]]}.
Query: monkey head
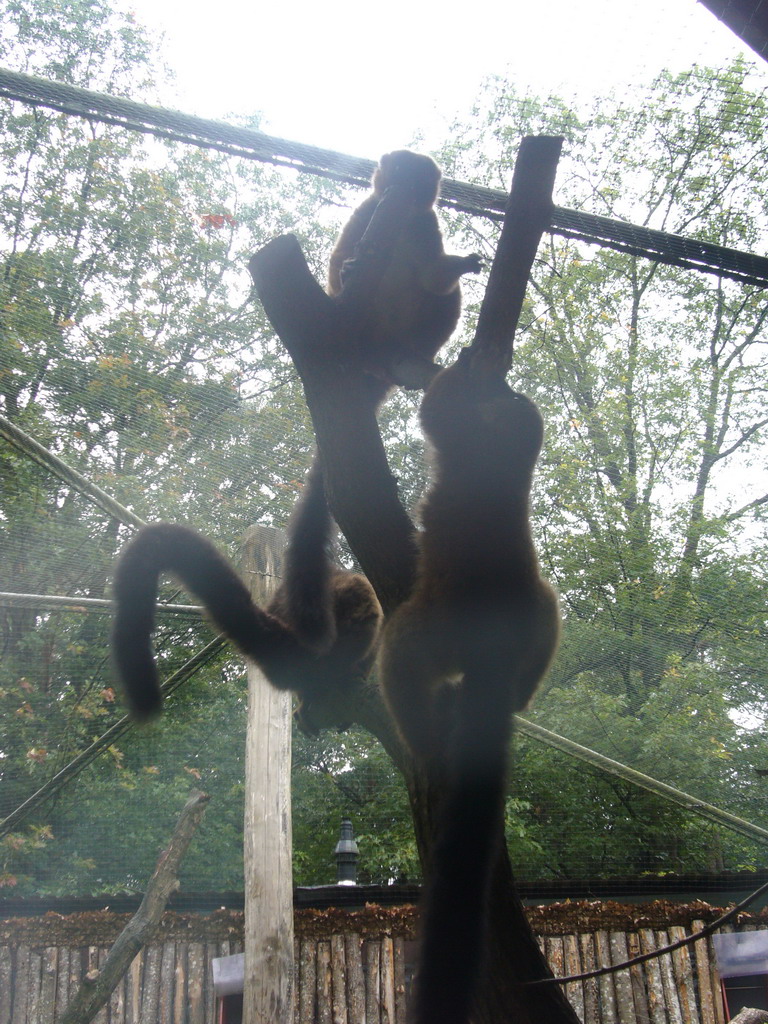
{"points": [[414, 171]]}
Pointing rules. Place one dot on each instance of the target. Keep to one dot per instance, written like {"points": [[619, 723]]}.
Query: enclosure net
{"points": [[133, 353]]}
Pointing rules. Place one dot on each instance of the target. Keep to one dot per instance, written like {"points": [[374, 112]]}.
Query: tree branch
{"points": [[95, 991], [527, 215], [755, 503], [321, 336]]}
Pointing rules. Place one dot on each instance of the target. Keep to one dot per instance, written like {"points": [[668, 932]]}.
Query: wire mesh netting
{"points": [[132, 350]]}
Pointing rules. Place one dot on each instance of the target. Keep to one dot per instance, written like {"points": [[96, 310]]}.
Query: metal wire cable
{"points": [[660, 246]]}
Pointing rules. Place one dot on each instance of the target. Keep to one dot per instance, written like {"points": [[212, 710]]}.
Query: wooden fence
{"points": [[351, 968]]}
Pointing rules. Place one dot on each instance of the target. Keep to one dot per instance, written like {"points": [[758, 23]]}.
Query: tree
{"points": [[350, 775]]}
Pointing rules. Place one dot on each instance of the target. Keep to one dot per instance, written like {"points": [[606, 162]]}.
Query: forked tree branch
{"points": [[322, 336], [527, 216]]}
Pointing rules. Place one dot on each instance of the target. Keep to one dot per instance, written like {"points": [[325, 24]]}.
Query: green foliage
{"points": [[349, 775], [131, 347]]}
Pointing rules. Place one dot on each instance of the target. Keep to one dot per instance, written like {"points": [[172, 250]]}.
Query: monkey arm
{"points": [[442, 275], [436, 271]]}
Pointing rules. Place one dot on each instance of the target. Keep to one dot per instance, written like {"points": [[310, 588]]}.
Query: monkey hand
{"points": [[473, 264]]}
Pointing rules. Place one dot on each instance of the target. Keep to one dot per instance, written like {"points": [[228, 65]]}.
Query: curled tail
{"points": [[166, 547], [470, 830]]}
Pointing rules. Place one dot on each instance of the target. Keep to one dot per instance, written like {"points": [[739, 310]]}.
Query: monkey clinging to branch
{"points": [[415, 301], [482, 621], [407, 309], [317, 637]]}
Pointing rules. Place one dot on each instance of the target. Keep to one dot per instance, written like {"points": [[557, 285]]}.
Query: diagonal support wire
{"points": [[85, 757], [53, 464], [636, 778]]}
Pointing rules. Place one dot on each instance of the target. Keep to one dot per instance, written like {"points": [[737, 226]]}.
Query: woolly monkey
{"points": [[482, 620], [416, 300], [304, 641]]}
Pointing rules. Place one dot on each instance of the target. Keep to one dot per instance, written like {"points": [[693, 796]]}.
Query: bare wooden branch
{"points": [[746, 18], [319, 335], [750, 1016], [528, 214], [97, 987]]}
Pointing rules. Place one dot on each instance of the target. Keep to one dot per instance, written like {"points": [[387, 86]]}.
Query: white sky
{"points": [[341, 78]]}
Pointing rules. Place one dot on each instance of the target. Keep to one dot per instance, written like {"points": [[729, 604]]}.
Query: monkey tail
{"points": [[453, 949], [307, 601], [167, 547]]}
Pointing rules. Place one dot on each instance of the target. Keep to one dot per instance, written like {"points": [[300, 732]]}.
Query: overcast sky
{"points": [[364, 80]]}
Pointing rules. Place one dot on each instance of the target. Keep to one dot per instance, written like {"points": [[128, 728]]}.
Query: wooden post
{"points": [[268, 983]]}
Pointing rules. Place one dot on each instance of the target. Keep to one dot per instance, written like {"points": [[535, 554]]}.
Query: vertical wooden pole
{"points": [[268, 984]]}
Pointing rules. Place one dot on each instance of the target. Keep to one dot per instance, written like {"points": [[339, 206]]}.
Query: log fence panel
{"points": [[671, 994], [339, 979], [658, 1014], [637, 979], [400, 985], [50, 970], [355, 980], [167, 971], [358, 977], [373, 989], [179, 983], [324, 983], [683, 970], [608, 1009], [715, 981], [388, 980], [591, 986], [20, 994], [575, 990], [33, 973], [622, 980], [307, 989], [195, 1004], [6, 974], [706, 996]]}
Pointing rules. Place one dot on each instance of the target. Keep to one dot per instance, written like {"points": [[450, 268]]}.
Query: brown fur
{"points": [[417, 299], [479, 619], [317, 637], [413, 310]]}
